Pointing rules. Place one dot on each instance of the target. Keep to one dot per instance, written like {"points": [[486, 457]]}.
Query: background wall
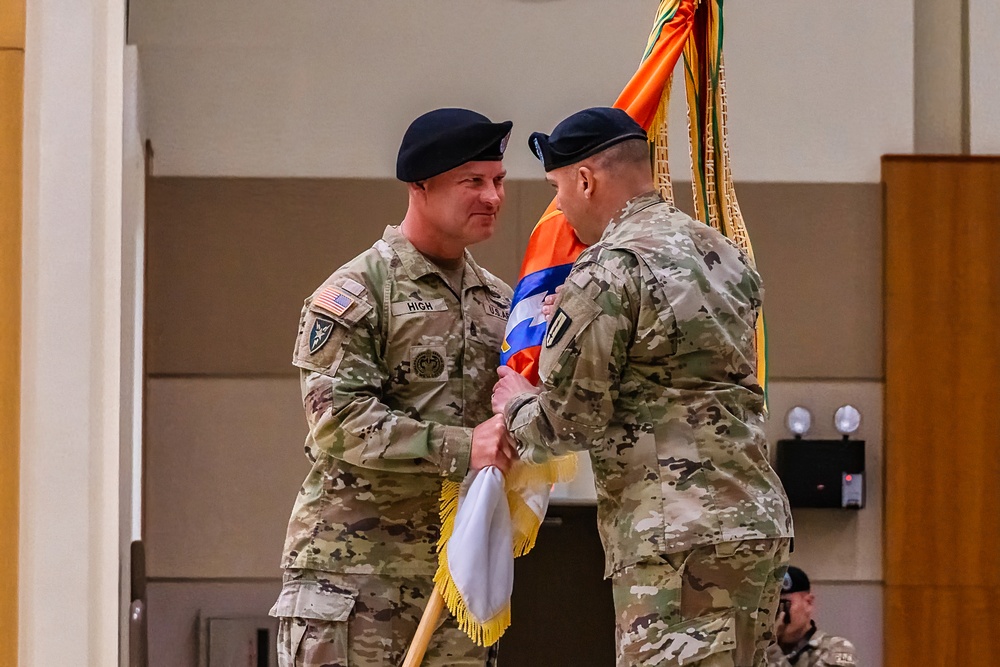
{"points": [[229, 263], [984, 56], [818, 91], [275, 129]]}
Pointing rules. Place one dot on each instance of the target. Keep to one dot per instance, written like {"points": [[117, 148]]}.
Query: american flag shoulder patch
{"points": [[333, 300]]}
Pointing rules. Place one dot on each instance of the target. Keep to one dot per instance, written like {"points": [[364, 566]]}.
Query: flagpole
{"points": [[422, 637]]}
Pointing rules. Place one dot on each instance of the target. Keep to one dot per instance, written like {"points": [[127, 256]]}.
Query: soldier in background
{"points": [[649, 363], [397, 353], [800, 642]]}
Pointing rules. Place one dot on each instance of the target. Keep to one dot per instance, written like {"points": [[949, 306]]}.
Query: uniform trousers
{"points": [[712, 606], [361, 620]]}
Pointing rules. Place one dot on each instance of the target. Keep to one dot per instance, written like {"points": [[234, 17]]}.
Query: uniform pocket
{"points": [[688, 643], [313, 625], [311, 599]]}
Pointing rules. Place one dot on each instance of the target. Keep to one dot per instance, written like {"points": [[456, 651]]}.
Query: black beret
{"points": [[795, 581], [583, 134], [443, 139]]}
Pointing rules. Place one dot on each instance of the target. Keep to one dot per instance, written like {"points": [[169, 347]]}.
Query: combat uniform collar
{"points": [[809, 642], [631, 207], [418, 266]]}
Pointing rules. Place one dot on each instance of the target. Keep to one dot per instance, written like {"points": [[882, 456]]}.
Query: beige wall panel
{"points": [[11, 25], [984, 63], [938, 86], [231, 260], [11, 88], [819, 248], [224, 462], [317, 88], [854, 611], [835, 544]]}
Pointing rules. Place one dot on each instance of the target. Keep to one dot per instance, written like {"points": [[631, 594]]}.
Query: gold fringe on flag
{"points": [[525, 524]]}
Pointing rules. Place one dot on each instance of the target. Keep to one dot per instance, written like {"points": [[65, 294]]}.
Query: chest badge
{"points": [[428, 364], [319, 334], [557, 327]]}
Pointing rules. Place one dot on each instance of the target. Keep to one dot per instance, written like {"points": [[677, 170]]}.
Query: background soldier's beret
{"points": [[583, 134], [795, 581], [444, 139]]}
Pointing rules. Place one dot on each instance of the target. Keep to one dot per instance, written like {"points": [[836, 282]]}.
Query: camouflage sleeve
{"points": [[342, 375], [583, 355]]}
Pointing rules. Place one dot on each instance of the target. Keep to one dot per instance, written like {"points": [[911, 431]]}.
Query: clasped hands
{"points": [[492, 444]]}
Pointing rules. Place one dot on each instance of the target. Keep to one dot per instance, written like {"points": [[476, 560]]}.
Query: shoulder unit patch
{"points": [[319, 334], [557, 327]]}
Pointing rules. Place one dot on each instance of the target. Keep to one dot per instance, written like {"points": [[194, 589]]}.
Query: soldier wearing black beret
{"points": [[800, 642], [649, 364], [397, 352]]}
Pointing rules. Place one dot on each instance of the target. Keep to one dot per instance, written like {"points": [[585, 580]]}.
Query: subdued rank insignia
{"points": [[320, 333], [428, 364], [557, 327]]}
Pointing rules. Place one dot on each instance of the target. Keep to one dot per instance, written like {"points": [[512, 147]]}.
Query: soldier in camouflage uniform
{"points": [[649, 364], [800, 642], [397, 351]]}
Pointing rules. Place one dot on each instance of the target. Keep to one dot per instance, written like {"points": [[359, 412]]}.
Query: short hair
{"points": [[632, 152]]}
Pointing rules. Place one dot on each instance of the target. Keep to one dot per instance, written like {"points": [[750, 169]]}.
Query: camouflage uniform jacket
{"points": [[817, 649], [396, 370], [649, 363]]}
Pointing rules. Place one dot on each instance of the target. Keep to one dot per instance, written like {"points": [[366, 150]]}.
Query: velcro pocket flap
{"points": [[311, 599]]}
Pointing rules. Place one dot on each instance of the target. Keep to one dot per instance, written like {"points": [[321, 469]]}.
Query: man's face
{"points": [[800, 610], [571, 188], [462, 204]]}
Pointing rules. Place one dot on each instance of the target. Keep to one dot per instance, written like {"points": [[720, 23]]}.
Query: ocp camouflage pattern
{"points": [[352, 620], [653, 371], [391, 397]]}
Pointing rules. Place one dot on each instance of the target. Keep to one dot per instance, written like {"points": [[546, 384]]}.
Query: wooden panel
{"points": [[941, 626], [12, 24], [11, 88], [942, 364]]}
